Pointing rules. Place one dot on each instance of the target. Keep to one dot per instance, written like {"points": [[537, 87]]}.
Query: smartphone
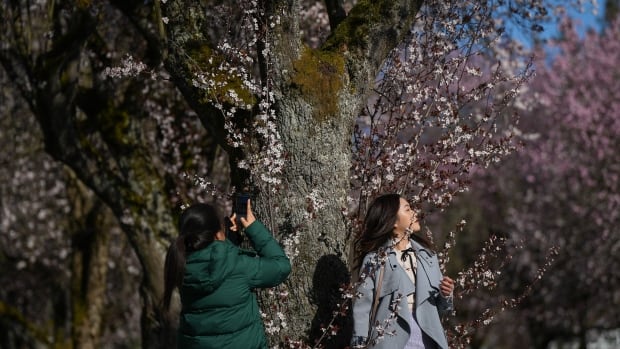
{"points": [[241, 206]]}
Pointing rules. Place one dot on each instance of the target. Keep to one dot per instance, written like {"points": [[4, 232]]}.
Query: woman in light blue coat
{"points": [[400, 266]]}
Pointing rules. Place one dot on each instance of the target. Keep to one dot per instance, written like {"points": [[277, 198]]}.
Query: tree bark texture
{"points": [[89, 266]]}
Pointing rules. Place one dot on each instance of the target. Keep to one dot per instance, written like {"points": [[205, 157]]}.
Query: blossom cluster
{"points": [[129, 68], [440, 110], [485, 269], [460, 335], [274, 313], [260, 139]]}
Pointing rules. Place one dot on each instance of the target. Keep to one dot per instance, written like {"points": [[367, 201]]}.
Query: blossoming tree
{"points": [[393, 99], [560, 190], [572, 183]]}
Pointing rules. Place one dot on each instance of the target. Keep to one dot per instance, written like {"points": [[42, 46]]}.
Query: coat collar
{"points": [[416, 245]]}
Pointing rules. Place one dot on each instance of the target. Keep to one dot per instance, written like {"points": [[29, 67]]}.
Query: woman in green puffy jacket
{"points": [[215, 279]]}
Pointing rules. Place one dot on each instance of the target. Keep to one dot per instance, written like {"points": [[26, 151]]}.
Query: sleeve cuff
{"points": [[358, 342]]}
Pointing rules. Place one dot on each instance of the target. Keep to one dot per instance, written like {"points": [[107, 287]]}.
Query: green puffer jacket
{"points": [[219, 308]]}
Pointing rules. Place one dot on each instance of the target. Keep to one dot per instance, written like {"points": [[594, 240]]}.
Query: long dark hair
{"points": [[379, 225], [197, 227]]}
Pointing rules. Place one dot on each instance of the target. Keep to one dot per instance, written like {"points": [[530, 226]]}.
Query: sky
{"points": [[590, 17]]}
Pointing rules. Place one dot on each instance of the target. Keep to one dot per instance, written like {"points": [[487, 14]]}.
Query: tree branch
{"points": [[369, 33], [336, 13], [14, 315]]}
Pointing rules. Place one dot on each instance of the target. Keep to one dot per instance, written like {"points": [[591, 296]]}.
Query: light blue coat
{"points": [[429, 301]]}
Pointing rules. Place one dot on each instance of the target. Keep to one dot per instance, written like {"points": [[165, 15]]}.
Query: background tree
{"points": [[112, 150], [561, 190], [58, 243], [611, 10], [283, 112]]}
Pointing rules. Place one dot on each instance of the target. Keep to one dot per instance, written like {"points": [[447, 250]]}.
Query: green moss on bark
{"points": [[318, 74], [355, 30], [115, 126], [208, 63]]}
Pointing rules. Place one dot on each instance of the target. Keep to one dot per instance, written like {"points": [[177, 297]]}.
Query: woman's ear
{"points": [[220, 236]]}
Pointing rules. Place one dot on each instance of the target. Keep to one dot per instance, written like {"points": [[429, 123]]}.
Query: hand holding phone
{"points": [[243, 210]]}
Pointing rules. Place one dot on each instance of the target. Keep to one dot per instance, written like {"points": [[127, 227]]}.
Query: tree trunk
{"points": [[316, 141], [89, 265]]}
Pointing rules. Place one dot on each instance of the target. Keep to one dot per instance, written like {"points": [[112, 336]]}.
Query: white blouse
{"points": [[409, 264]]}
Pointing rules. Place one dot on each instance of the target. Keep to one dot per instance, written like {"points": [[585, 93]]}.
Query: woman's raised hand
{"points": [[245, 221], [446, 286], [249, 218]]}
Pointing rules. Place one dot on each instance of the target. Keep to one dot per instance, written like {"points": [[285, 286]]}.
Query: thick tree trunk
{"points": [[318, 166], [89, 265], [315, 117]]}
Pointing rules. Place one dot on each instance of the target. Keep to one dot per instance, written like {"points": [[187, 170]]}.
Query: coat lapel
{"points": [[397, 279], [425, 286]]}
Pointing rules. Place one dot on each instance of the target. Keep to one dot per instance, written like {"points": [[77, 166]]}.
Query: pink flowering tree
{"points": [[572, 184], [313, 116], [561, 192]]}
